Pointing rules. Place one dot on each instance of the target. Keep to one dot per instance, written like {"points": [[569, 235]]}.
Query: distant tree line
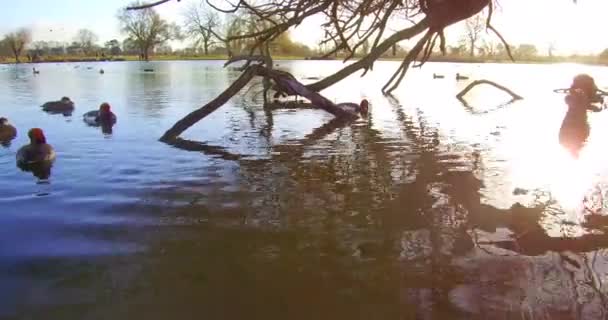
{"points": [[206, 32]]}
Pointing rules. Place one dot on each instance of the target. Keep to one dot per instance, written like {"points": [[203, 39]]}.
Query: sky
{"points": [[573, 28]]}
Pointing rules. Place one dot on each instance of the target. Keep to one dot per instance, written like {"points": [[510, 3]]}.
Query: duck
{"points": [[438, 76], [35, 71], [461, 77], [355, 109], [102, 117], [7, 131], [64, 105], [37, 151], [148, 70], [101, 71]]}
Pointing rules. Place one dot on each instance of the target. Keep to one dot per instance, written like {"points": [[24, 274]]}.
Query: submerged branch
{"points": [[475, 83]]}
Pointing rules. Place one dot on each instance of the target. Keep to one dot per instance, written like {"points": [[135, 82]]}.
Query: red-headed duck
{"points": [[37, 151], [104, 116]]}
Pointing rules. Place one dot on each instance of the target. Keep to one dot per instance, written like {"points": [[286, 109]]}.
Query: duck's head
{"points": [[3, 121], [577, 97], [36, 136], [364, 106], [104, 108], [586, 83], [66, 100]]}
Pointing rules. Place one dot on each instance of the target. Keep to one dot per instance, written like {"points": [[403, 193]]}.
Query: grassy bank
{"points": [[60, 59], [590, 60]]}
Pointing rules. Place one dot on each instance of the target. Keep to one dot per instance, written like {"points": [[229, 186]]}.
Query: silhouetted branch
{"points": [[148, 5], [475, 83]]}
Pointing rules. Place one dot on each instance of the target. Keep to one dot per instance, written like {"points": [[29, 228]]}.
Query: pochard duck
{"points": [[355, 109], [7, 131], [64, 105], [102, 117], [38, 151], [461, 77], [438, 76]]}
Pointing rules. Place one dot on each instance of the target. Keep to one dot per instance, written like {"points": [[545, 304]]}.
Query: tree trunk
{"points": [[206, 47], [16, 53], [472, 49]]}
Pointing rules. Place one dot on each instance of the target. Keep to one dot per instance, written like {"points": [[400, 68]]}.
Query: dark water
{"points": [[410, 214]]}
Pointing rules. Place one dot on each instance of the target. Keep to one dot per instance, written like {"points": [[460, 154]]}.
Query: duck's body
{"points": [[575, 128], [438, 76], [38, 151], [102, 117], [101, 71], [63, 105], [460, 77], [148, 70], [35, 71], [7, 131]]}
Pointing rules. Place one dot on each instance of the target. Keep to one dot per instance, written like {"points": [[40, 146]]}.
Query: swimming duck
{"points": [[353, 108], [148, 70], [7, 131], [35, 71], [104, 116], [63, 105], [461, 77], [101, 71], [438, 76], [37, 151]]}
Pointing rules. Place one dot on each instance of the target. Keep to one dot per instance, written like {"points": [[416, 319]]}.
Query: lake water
{"points": [[409, 214]]}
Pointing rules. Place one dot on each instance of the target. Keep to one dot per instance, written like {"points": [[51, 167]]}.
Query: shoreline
{"points": [[594, 61]]}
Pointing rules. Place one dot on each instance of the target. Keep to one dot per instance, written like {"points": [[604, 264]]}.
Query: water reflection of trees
{"points": [[411, 212], [148, 90]]}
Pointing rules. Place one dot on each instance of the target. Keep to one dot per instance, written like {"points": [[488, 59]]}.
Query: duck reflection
{"points": [[575, 129], [40, 170], [107, 129]]}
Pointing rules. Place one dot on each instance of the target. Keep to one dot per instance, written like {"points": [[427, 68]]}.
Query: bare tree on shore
{"points": [[146, 29], [17, 41], [201, 25], [474, 27], [86, 39]]}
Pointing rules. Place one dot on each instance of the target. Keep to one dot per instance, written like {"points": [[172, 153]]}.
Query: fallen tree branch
{"points": [[246, 58], [284, 82], [207, 109], [475, 83]]}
